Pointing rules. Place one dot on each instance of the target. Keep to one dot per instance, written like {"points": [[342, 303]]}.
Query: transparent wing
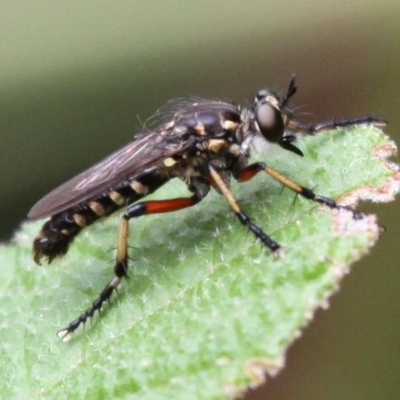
{"points": [[120, 166]]}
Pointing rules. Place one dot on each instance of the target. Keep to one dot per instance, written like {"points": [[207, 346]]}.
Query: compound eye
{"points": [[270, 122]]}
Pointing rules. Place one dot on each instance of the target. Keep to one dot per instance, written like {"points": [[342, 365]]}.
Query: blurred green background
{"points": [[77, 80]]}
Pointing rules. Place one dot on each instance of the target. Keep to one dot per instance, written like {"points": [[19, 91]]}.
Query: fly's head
{"points": [[271, 117]]}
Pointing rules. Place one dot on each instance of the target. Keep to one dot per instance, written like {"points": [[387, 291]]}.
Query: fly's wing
{"points": [[119, 166]]}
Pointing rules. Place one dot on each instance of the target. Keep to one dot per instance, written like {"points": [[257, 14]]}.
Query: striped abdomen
{"points": [[60, 230]]}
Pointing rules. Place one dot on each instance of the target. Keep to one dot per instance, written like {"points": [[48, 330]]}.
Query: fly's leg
{"points": [[311, 129], [121, 263], [287, 141], [251, 170], [218, 182]]}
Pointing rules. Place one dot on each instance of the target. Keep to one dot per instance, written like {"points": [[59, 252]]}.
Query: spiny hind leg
{"points": [[121, 263]]}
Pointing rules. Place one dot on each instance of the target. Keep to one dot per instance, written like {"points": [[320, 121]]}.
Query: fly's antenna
{"points": [[289, 93]]}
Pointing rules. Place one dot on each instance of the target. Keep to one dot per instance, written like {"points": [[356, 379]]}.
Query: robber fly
{"points": [[205, 144]]}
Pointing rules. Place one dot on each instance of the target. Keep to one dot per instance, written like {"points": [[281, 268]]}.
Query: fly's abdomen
{"points": [[55, 236], [60, 230]]}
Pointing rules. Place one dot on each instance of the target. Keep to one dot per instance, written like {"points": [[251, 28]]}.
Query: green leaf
{"points": [[207, 310]]}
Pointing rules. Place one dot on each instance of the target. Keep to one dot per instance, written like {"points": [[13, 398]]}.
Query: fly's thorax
{"points": [[207, 119], [219, 152]]}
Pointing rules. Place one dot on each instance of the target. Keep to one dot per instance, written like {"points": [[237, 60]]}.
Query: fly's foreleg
{"points": [[311, 129], [121, 263], [251, 170]]}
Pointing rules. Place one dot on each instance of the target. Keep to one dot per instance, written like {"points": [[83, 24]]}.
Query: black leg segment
{"points": [[311, 129]]}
